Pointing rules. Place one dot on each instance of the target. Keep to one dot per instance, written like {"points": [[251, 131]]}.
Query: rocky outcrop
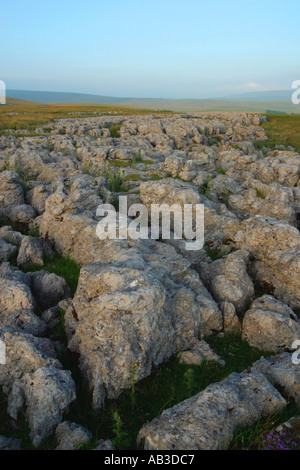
{"points": [[6, 250], [282, 373], [270, 325], [34, 382], [138, 306], [11, 191], [274, 247], [201, 351], [32, 252], [48, 289], [141, 302], [228, 281], [17, 305], [7, 443], [71, 435], [208, 420]]}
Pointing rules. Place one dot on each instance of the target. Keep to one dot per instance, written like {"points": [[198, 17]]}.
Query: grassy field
{"points": [[262, 102], [281, 130], [20, 115]]}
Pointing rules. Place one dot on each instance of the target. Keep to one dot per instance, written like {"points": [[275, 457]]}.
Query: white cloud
{"points": [[250, 86]]}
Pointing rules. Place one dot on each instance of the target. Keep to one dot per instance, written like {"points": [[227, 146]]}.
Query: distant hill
{"points": [[274, 95], [18, 102], [56, 97], [252, 102]]}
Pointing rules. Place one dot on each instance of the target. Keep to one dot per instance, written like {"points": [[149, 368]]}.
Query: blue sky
{"points": [[150, 48]]}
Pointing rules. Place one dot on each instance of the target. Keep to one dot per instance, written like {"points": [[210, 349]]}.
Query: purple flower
{"points": [[275, 441]]}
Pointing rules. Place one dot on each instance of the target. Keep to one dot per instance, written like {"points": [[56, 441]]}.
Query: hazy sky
{"points": [[150, 48]]}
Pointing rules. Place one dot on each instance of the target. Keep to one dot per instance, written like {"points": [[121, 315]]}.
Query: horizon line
{"points": [[219, 98]]}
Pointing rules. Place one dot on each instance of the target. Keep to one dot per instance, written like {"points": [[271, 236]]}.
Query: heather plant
{"points": [[278, 441]]}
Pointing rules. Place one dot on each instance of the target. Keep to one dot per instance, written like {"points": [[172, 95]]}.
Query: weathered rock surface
{"points": [[35, 383], [139, 302], [48, 289], [17, 306], [7, 443], [37, 197], [11, 236], [46, 394], [11, 191], [200, 352], [169, 191], [23, 213], [208, 420], [71, 435], [275, 249], [105, 445], [232, 323], [282, 373], [228, 280], [136, 311], [270, 325], [6, 250], [32, 252]]}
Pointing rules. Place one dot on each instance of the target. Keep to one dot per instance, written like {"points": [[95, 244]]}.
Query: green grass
{"points": [[253, 437], [93, 171], [216, 253], [156, 178], [281, 130], [120, 163], [25, 115], [260, 194], [125, 163], [168, 385], [115, 131], [134, 177], [116, 180], [64, 267], [206, 188], [137, 158]]}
